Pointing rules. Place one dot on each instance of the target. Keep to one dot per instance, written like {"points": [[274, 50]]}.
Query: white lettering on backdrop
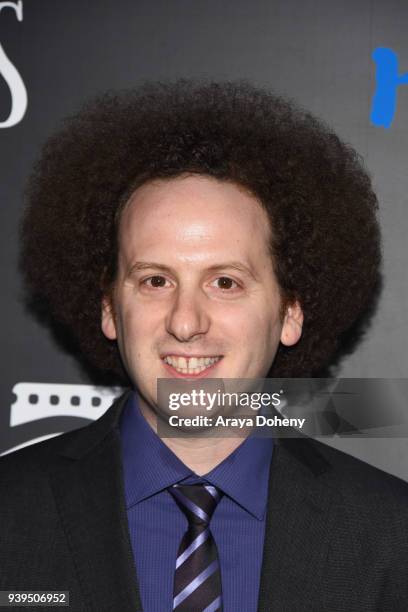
{"points": [[12, 77]]}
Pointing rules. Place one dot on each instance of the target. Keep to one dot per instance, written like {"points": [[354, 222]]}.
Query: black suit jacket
{"points": [[336, 533]]}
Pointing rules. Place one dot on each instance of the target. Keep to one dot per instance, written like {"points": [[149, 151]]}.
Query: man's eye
{"points": [[155, 281], [224, 282]]}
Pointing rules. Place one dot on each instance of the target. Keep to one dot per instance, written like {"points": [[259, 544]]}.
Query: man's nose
{"points": [[188, 316]]}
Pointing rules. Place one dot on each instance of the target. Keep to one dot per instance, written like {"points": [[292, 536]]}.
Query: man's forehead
{"points": [[194, 209], [191, 246]]}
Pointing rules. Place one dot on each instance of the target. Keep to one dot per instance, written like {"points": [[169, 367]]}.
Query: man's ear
{"points": [[108, 319], [292, 325]]}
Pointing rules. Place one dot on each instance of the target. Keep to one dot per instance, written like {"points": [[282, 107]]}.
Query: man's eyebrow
{"points": [[236, 265]]}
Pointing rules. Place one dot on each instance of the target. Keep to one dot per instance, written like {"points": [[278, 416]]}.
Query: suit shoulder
{"points": [[29, 464], [354, 477], [78, 441]]}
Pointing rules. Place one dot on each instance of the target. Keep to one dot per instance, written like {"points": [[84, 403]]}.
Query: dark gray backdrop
{"points": [[317, 51]]}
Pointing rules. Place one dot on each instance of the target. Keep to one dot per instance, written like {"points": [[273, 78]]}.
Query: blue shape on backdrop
{"points": [[384, 102]]}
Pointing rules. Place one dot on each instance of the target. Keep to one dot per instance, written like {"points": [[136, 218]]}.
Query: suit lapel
{"points": [[89, 493], [298, 528]]}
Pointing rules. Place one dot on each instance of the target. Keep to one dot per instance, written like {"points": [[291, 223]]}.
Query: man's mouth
{"points": [[191, 366]]}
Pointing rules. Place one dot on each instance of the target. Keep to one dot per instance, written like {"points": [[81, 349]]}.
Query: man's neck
{"points": [[200, 454]]}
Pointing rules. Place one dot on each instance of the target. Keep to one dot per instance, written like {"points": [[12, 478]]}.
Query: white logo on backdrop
{"points": [[36, 401], [12, 77]]}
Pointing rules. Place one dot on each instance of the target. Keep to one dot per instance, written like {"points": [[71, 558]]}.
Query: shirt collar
{"points": [[150, 466]]}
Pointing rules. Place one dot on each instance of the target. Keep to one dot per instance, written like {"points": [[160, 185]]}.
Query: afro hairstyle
{"points": [[325, 243]]}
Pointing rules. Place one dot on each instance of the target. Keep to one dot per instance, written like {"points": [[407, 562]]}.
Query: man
{"points": [[193, 231]]}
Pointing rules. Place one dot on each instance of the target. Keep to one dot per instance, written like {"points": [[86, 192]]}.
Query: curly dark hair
{"points": [[326, 240]]}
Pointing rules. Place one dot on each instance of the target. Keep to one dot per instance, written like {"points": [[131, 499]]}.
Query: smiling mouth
{"points": [[191, 365]]}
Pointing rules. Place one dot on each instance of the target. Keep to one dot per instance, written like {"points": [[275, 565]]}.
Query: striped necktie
{"points": [[197, 578]]}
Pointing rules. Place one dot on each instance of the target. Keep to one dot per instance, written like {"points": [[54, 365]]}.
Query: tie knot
{"points": [[197, 501]]}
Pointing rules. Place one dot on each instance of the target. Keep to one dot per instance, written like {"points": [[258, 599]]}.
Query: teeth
{"points": [[193, 365]]}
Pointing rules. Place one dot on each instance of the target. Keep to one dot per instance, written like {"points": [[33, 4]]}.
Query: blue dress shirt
{"points": [[157, 525]]}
